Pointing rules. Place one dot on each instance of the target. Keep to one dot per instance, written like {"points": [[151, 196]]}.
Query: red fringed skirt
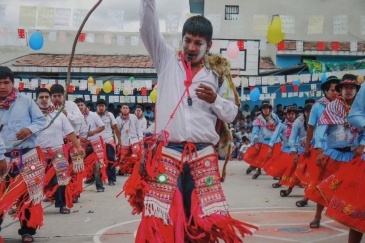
{"points": [[289, 178], [302, 166], [258, 157], [345, 193], [317, 175], [277, 165]]}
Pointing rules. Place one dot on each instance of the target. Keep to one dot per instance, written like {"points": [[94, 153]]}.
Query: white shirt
{"points": [[143, 127], [74, 116], [128, 129], [244, 148], [108, 121], [94, 122], [52, 137], [194, 123]]}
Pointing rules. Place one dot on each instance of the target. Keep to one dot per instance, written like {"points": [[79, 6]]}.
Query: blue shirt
{"points": [[298, 135], [279, 133], [316, 113], [357, 112], [23, 113], [2, 149], [264, 134]]}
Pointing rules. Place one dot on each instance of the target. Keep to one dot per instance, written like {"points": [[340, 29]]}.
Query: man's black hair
{"points": [[140, 107], [198, 26], [349, 76], [57, 89], [79, 100], [42, 90], [101, 102], [329, 81], [148, 108], [5, 73], [278, 105], [309, 101]]}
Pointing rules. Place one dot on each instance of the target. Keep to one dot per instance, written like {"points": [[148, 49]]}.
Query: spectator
{"points": [[244, 146], [148, 112], [246, 111], [255, 112], [242, 134], [279, 111], [235, 148], [90, 106], [249, 124], [117, 112]]}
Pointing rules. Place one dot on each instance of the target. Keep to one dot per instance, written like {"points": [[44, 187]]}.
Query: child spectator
{"points": [[244, 146]]}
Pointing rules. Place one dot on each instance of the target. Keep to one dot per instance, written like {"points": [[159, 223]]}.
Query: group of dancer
{"points": [[319, 148], [47, 150]]}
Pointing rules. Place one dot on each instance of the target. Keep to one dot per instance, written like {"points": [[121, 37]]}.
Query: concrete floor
{"points": [[101, 217]]}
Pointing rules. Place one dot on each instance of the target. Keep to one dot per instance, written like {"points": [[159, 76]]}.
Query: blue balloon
{"points": [[296, 82], [36, 41], [324, 78], [255, 94]]}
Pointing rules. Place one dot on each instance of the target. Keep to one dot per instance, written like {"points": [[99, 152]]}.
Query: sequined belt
{"points": [[17, 152]]}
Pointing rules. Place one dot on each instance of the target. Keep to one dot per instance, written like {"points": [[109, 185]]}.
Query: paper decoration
{"points": [[284, 95], [122, 99], [26, 83], [271, 80], [264, 90], [75, 82], [252, 81], [301, 94], [62, 17], [238, 25], [139, 99], [21, 33], [148, 84], [315, 25], [94, 98], [215, 19], [287, 24], [111, 99], [63, 36], [335, 45], [265, 80], [121, 40], [71, 89], [340, 25], [99, 84], [83, 85], [320, 46], [127, 99], [144, 99], [27, 16], [283, 89], [315, 76], [319, 93], [295, 94], [52, 36], [34, 83], [93, 89], [87, 97], [299, 45], [116, 90], [290, 94], [176, 43], [353, 46], [46, 17], [90, 37], [260, 24], [250, 45], [2, 13], [262, 45], [82, 37], [281, 79], [363, 24], [21, 85], [244, 82], [305, 78], [134, 40], [281, 46], [172, 23], [107, 39], [78, 17], [116, 18]]}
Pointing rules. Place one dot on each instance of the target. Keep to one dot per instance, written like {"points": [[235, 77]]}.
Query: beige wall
{"points": [[300, 9]]}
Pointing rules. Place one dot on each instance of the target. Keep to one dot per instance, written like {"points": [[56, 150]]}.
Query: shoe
{"points": [[90, 181], [100, 190], [111, 183]]}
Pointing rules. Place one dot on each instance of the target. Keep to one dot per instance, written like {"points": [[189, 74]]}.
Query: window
{"points": [[231, 12]]}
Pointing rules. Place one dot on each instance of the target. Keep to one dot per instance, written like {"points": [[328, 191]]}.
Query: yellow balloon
{"points": [[90, 80], [274, 33], [107, 87], [126, 91], [360, 79], [153, 95]]}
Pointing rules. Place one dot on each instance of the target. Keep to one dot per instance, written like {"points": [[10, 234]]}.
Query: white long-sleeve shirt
{"points": [[194, 123], [128, 129], [74, 116], [143, 128]]}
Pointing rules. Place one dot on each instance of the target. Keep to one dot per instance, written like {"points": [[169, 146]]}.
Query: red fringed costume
{"points": [[159, 199], [128, 156], [22, 186], [97, 156]]}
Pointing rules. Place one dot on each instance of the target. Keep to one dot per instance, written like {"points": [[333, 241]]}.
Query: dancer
{"points": [[263, 128], [91, 140], [278, 162], [22, 171], [111, 130], [341, 139], [307, 160], [142, 122], [130, 150], [182, 166], [51, 142]]}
